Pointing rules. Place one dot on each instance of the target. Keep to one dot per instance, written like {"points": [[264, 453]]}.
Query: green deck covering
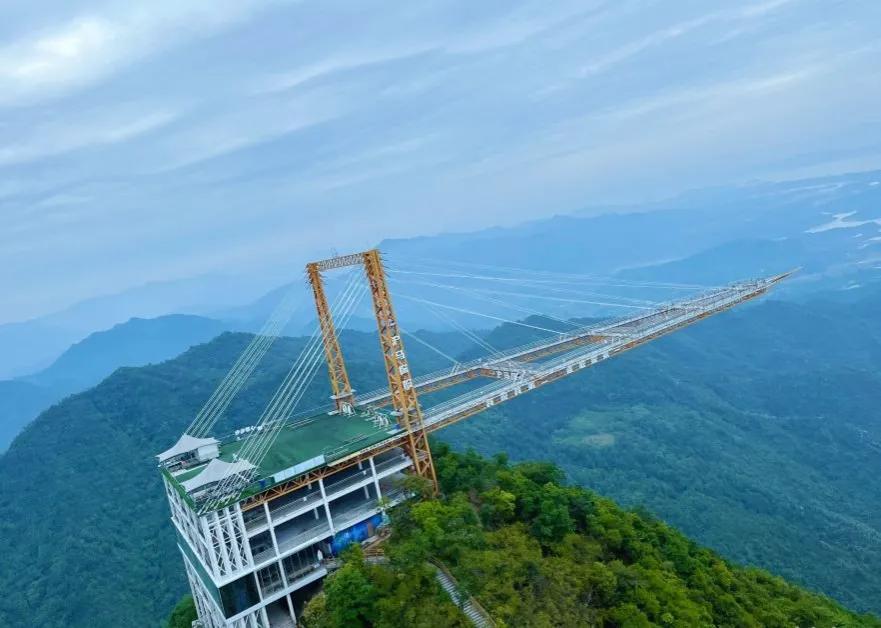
{"points": [[331, 435]]}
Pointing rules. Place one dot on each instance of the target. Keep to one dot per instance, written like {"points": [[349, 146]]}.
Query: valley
{"points": [[729, 445]]}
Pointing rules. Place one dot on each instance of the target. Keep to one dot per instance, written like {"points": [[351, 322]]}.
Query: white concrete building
{"points": [[254, 562]]}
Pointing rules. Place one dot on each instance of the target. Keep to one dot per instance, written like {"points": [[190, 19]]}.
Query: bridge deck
{"points": [[318, 441]]}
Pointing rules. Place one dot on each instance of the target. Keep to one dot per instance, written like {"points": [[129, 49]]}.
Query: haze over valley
{"points": [[440, 313]]}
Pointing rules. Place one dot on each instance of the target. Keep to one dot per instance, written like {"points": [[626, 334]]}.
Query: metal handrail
{"points": [[294, 505], [353, 479], [391, 462], [298, 538]]}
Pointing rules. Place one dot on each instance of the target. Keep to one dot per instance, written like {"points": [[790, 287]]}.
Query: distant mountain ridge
{"points": [[32, 345], [136, 342], [133, 343], [830, 226]]}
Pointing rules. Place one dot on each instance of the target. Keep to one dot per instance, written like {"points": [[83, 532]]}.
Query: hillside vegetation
{"points": [[84, 528], [760, 444], [756, 433], [20, 402], [536, 552], [134, 343]]}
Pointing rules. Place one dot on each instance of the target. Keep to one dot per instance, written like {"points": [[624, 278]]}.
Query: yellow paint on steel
{"points": [[404, 398], [336, 365]]}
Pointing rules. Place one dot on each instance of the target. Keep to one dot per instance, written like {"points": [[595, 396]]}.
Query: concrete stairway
{"points": [[472, 609]]}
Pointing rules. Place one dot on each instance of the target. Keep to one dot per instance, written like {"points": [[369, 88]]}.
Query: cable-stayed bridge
{"points": [[573, 351], [292, 484], [512, 372]]}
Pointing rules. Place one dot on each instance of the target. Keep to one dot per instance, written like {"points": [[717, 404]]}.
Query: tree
{"points": [[553, 521], [184, 613], [315, 614], [497, 506], [350, 595]]}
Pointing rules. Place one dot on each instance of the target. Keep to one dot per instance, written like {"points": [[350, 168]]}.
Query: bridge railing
{"points": [[607, 325]]}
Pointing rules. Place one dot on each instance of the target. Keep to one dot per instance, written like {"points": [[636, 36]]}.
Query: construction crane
{"points": [[256, 512]]}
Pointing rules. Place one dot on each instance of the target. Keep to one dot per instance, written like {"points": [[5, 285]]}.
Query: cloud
{"points": [[629, 50], [335, 65], [58, 138], [140, 140], [93, 46], [510, 28], [250, 124], [684, 98], [519, 25]]}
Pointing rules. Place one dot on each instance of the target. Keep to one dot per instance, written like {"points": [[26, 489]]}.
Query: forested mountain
{"points": [[19, 403], [755, 432], [133, 343], [84, 526], [30, 345], [536, 552]]}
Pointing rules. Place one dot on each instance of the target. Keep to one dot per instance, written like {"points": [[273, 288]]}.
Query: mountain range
{"points": [[32, 345], [133, 343], [830, 227], [756, 433]]}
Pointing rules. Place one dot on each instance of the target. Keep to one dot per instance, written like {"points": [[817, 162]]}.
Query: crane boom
{"points": [[342, 394], [400, 380]]}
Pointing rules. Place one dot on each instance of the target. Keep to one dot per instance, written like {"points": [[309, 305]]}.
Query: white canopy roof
{"points": [[215, 471], [185, 444]]}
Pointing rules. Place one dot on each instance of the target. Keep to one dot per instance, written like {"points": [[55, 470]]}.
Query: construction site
{"points": [[262, 513]]}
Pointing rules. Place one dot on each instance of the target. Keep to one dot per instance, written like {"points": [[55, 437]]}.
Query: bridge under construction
{"points": [[258, 512]]}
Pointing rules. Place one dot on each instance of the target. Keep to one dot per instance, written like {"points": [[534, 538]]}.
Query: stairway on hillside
{"points": [[473, 611]]}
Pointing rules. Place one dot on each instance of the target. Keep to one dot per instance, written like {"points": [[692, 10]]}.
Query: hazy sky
{"points": [[185, 137]]}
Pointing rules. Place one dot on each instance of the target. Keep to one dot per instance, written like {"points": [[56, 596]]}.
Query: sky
{"points": [[156, 141]]}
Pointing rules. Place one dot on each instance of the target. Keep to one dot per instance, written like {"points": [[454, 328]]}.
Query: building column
{"points": [[287, 597], [279, 562], [222, 546], [366, 488], [375, 479], [271, 529], [212, 549], [257, 582], [246, 543], [237, 560], [326, 505]]}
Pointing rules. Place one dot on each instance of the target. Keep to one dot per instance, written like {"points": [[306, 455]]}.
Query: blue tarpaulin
{"points": [[354, 534]]}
